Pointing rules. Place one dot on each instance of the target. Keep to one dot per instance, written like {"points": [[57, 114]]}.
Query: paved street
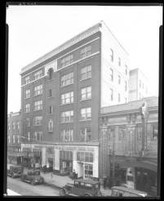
{"points": [[27, 189]]}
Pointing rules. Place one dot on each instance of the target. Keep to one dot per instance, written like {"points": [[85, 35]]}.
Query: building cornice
{"points": [[92, 30]]}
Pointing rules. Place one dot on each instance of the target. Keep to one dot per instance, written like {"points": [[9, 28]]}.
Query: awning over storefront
{"points": [[139, 163]]}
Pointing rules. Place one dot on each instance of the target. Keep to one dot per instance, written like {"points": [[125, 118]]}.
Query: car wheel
{"points": [[62, 192]]}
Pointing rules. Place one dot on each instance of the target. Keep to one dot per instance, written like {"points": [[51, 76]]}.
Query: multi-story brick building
{"points": [[129, 141], [14, 138], [62, 96], [138, 85]]}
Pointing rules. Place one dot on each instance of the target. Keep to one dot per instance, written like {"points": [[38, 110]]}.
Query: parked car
{"points": [[14, 171], [121, 191], [33, 177], [82, 187]]}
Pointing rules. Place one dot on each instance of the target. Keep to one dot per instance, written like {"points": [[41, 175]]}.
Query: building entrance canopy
{"points": [[139, 163]]}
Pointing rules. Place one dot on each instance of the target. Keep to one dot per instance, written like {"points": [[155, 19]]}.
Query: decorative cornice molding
{"points": [[92, 30]]}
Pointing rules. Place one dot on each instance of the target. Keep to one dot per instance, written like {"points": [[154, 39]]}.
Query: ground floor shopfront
{"points": [[65, 158]]}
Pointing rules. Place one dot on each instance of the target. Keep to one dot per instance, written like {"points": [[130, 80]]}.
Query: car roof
{"points": [[130, 190], [88, 181]]}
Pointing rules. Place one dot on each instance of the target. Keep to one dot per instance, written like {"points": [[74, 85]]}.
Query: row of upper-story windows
{"points": [[119, 98], [65, 81], [111, 78], [14, 125], [68, 98], [38, 121], [36, 136], [84, 52], [38, 105], [15, 139], [119, 60], [38, 90], [67, 116], [67, 135], [37, 75]]}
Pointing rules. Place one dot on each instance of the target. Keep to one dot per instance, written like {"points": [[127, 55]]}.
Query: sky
{"points": [[36, 30]]}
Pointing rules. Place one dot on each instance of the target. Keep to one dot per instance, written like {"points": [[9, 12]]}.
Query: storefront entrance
{"points": [[66, 161]]}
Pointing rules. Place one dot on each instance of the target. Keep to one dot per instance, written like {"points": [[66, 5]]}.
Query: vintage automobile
{"points": [[82, 187], [33, 177], [14, 171], [122, 191]]}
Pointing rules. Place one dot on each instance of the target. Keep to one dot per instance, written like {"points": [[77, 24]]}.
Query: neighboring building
{"points": [[14, 138], [138, 85], [63, 93], [130, 141]]}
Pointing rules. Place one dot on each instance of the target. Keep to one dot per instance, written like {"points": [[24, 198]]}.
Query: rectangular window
{"points": [[28, 136], [13, 138], [27, 108], [67, 98], [85, 134], [50, 125], [85, 156], [67, 79], [13, 125], [67, 117], [86, 93], [38, 74], [86, 72], [27, 80], [111, 74], [67, 135], [111, 55], [86, 113], [50, 93], [38, 136], [27, 93], [38, 120], [38, 105], [119, 97], [126, 69], [88, 170], [111, 94], [85, 52], [38, 90], [50, 109], [18, 139], [119, 79], [67, 60]]}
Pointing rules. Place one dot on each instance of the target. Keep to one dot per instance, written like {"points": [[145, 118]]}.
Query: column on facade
{"points": [[43, 156]]}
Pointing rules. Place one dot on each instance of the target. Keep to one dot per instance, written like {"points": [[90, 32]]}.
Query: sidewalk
{"points": [[59, 181]]}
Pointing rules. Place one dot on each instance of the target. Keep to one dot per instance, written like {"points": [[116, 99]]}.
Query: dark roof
{"points": [[132, 105]]}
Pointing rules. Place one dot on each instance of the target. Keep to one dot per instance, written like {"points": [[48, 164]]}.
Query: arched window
{"points": [[50, 125], [111, 55], [50, 73]]}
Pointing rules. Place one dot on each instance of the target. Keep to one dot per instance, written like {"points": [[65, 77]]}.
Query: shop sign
{"points": [[70, 148]]}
